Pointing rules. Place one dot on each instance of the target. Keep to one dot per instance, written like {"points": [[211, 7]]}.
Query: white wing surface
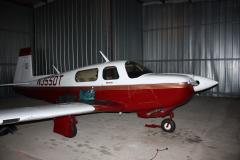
{"points": [[12, 84], [11, 116]]}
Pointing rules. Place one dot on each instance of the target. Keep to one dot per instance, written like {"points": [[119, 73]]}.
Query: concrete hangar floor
{"points": [[207, 129]]}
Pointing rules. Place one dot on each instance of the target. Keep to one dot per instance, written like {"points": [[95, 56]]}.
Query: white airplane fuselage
{"points": [[149, 95], [119, 86]]}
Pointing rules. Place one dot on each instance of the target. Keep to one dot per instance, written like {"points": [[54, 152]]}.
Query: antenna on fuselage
{"points": [[104, 57], [56, 69]]}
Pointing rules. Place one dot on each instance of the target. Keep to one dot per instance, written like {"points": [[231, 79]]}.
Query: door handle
{"points": [[109, 82]]}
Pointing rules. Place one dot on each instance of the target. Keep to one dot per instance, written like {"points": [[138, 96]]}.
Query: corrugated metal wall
{"points": [[69, 33], [127, 29], [201, 38], [15, 33]]}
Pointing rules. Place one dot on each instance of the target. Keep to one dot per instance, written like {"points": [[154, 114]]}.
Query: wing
{"points": [[11, 116], [13, 84]]}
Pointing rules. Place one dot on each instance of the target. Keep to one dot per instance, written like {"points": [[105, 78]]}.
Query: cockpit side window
{"points": [[87, 75], [110, 73], [135, 70]]}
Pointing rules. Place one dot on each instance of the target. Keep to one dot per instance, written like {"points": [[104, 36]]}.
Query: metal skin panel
{"points": [[43, 112], [200, 38], [120, 98], [68, 79], [53, 88]]}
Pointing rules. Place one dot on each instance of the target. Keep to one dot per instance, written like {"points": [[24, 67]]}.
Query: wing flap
{"points": [[11, 116]]}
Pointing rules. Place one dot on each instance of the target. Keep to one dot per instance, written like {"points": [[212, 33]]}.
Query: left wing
{"points": [[25, 114], [13, 84]]}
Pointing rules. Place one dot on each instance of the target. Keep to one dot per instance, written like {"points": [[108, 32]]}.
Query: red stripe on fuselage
{"points": [[134, 98]]}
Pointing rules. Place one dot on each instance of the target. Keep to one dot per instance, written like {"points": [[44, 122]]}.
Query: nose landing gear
{"points": [[167, 125]]}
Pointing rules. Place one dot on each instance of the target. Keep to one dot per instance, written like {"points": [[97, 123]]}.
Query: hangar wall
{"points": [[204, 40], [15, 33], [69, 33], [201, 38], [127, 29]]}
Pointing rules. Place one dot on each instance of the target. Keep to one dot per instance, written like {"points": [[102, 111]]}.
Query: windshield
{"points": [[135, 70]]}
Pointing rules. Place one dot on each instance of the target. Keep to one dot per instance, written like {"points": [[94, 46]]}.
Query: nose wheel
{"points": [[168, 125]]}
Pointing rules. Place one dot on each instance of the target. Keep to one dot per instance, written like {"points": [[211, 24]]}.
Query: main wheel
{"points": [[74, 131], [168, 125]]}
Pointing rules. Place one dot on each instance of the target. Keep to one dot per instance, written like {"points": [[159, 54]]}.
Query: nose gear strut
{"points": [[167, 125]]}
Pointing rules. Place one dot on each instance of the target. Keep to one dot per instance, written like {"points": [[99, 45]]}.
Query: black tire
{"points": [[74, 131], [168, 125]]}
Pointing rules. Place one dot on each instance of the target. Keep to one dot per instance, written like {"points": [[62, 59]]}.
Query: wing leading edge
{"points": [[25, 114]]}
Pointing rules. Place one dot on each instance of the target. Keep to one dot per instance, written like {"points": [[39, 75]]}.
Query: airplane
{"points": [[117, 86]]}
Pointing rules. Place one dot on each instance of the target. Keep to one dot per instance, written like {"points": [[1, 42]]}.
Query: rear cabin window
{"points": [[87, 75], [135, 70], [110, 73]]}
